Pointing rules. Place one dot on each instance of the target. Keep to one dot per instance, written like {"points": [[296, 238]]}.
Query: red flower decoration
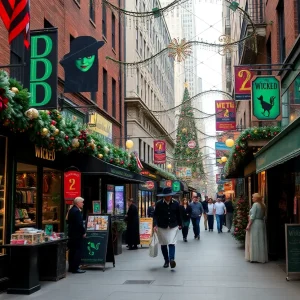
{"points": [[3, 103]]}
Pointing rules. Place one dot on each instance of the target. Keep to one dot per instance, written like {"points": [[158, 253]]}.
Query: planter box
{"points": [[117, 242]]}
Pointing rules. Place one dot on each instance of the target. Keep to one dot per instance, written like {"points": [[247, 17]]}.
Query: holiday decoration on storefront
{"points": [[48, 129], [240, 220]]}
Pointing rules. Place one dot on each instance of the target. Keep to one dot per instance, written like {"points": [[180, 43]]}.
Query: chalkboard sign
{"points": [[98, 246], [292, 240]]}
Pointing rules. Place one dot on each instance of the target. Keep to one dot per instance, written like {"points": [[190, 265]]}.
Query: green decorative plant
{"points": [[118, 226], [240, 219]]}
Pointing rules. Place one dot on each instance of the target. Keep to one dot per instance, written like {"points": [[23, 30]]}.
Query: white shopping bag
{"points": [[153, 247]]}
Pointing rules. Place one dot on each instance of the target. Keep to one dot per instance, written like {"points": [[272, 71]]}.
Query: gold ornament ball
{"points": [[15, 89], [184, 130], [75, 143], [223, 159], [56, 131], [45, 131], [106, 149], [100, 155], [229, 143]]}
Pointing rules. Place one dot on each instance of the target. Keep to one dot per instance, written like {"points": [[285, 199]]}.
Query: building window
{"points": [[114, 97], [104, 89], [17, 57], [144, 156], [113, 31], [104, 20], [92, 10], [281, 29], [140, 148], [148, 154]]}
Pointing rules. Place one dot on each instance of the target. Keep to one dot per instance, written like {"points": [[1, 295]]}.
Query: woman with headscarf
{"points": [[133, 229], [256, 237]]}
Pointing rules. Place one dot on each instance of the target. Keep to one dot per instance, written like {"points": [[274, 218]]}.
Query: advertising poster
{"points": [[110, 199], [225, 115], [242, 83], [159, 148], [97, 223], [221, 150], [146, 225], [119, 200], [72, 186], [184, 172]]}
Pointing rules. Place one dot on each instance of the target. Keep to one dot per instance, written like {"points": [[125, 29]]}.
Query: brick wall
{"points": [[73, 19]]}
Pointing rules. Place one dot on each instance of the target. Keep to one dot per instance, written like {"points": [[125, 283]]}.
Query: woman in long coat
{"points": [[133, 226], [256, 237]]}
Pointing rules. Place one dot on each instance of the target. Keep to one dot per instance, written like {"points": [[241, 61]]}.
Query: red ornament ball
{"points": [[66, 137]]}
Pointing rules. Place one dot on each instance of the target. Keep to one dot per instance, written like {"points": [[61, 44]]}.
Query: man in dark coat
{"points": [[150, 211], [76, 233], [133, 226]]}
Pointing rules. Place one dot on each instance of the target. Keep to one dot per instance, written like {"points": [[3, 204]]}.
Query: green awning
{"points": [[283, 147]]}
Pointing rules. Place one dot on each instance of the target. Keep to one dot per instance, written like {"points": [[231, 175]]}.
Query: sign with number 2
{"points": [[72, 186], [242, 83]]}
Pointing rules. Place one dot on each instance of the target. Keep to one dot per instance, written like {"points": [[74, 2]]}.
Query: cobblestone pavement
{"points": [[212, 268]]}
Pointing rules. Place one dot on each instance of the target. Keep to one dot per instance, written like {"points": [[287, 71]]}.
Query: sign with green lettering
{"points": [[292, 242], [42, 68], [266, 98]]}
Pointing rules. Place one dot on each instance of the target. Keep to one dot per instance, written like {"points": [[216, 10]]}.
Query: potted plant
{"points": [[118, 227]]}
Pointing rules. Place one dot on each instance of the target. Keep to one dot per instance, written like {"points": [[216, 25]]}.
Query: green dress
{"points": [[256, 238]]}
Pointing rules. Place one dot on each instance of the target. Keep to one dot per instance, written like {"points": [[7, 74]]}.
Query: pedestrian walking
{"points": [[229, 213], [76, 234], [133, 226], [197, 211], [210, 214], [256, 237], [220, 210], [185, 212], [204, 205], [167, 221], [150, 210]]}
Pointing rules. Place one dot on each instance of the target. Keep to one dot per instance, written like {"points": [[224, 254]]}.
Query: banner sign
{"points": [[146, 225], [221, 150], [184, 172], [242, 83], [266, 98], [165, 183], [99, 125], [72, 186], [41, 68], [159, 148], [225, 115], [292, 244]]}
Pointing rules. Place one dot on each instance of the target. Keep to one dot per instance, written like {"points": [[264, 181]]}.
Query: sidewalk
{"points": [[212, 268]]}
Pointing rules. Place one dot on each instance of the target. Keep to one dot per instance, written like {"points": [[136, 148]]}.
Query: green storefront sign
{"points": [[70, 115], [176, 186], [266, 98]]}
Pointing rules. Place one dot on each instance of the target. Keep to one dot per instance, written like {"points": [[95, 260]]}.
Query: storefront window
{"points": [[25, 201], [3, 144], [119, 200], [51, 199]]}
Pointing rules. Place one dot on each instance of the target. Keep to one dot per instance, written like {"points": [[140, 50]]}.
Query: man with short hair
{"points": [[197, 211], [220, 210], [150, 211], [76, 233]]}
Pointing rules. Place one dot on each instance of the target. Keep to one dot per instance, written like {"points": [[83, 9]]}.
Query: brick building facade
{"points": [[80, 18]]}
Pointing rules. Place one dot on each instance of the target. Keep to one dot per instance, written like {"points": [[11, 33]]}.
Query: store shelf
{"points": [[25, 225]]}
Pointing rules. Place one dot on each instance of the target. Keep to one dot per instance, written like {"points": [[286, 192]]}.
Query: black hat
{"points": [[82, 46], [166, 192]]}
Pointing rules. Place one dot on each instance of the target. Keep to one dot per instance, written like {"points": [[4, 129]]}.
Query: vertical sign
{"points": [[159, 148], [225, 115], [221, 150], [72, 186], [242, 83], [266, 98], [41, 77], [146, 225]]}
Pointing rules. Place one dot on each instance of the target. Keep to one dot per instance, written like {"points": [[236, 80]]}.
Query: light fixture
{"points": [[169, 166], [129, 144], [224, 159], [229, 143]]}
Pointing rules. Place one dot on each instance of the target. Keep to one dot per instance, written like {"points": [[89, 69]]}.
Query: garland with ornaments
{"points": [[241, 148], [162, 172], [50, 130]]}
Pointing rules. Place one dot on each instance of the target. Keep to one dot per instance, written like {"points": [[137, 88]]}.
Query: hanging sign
{"points": [[159, 147], [72, 186], [176, 186], [266, 98], [146, 225], [242, 83], [41, 68], [147, 186], [225, 115], [191, 144], [221, 150]]}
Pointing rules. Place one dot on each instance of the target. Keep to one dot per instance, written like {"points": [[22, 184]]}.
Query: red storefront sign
{"points": [[159, 148], [242, 83], [225, 115], [72, 186]]}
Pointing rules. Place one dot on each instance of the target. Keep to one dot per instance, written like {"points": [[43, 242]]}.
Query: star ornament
{"points": [[179, 50]]}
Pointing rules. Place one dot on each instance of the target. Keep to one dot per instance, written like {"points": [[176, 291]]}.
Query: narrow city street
{"points": [[212, 268]]}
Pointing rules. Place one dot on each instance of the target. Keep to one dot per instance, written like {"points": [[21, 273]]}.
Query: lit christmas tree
{"points": [[187, 152], [240, 220]]}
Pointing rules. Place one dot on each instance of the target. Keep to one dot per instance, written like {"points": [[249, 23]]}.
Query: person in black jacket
{"points": [[133, 226], [150, 211], [229, 213], [167, 221], [76, 233], [185, 212]]}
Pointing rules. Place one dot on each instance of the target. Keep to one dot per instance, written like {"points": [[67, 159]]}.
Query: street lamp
{"points": [[129, 144], [229, 143], [169, 167]]}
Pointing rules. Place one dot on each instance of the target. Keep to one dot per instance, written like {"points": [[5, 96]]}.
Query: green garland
{"points": [[163, 173], [240, 148], [240, 220], [50, 130]]}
